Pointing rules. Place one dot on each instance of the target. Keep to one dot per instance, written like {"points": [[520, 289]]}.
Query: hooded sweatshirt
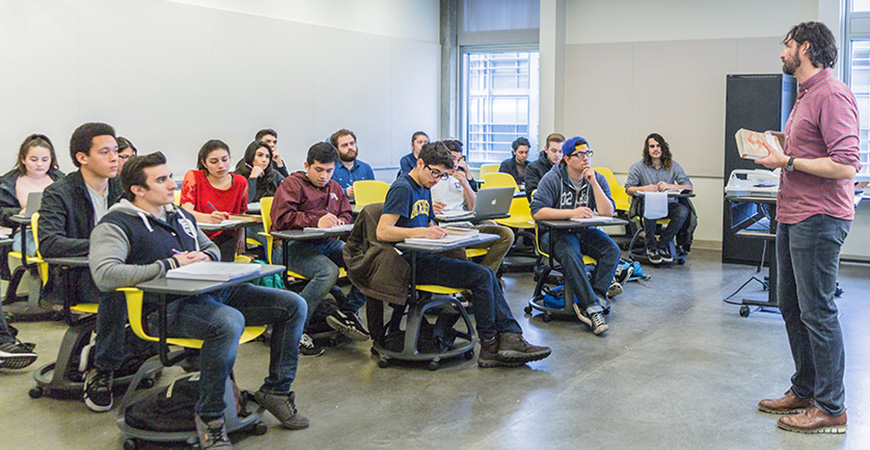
{"points": [[557, 190], [298, 203], [130, 246]]}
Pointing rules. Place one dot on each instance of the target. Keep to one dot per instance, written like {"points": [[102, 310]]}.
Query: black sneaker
{"points": [[98, 390], [653, 256], [16, 355], [665, 254], [623, 274], [212, 434], [307, 346], [598, 325], [283, 407], [348, 324]]}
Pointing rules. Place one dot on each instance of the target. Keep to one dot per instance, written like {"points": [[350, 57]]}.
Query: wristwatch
{"points": [[790, 165]]}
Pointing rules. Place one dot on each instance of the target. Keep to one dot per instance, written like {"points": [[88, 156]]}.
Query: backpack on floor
{"points": [[434, 338]]}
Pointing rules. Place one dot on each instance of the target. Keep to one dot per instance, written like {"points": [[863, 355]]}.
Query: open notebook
{"points": [[212, 271]]}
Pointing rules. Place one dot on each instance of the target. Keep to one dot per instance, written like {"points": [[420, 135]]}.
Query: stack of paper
{"points": [[337, 228], [228, 223], [459, 231], [454, 215], [593, 219], [750, 144], [212, 271], [443, 242]]}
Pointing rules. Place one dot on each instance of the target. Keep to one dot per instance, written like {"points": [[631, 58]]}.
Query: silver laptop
{"points": [[34, 201], [493, 201]]}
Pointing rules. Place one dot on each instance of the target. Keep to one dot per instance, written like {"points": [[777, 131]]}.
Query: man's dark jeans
{"points": [[677, 214]]}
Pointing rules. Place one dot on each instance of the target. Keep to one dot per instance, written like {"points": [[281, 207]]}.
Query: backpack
{"points": [[272, 281], [434, 338]]}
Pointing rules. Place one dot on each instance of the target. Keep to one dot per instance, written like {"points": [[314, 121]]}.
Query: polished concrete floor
{"points": [[678, 369]]}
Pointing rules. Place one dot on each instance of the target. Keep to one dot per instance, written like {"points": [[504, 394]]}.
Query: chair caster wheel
{"points": [[383, 363], [35, 392], [147, 383], [527, 310], [469, 354], [547, 318], [260, 429], [374, 352], [744, 311], [433, 366], [606, 310], [131, 444], [681, 262]]}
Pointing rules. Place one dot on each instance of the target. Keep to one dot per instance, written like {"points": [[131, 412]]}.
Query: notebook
{"points": [[337, 228], [226, 224], [212, 271]]}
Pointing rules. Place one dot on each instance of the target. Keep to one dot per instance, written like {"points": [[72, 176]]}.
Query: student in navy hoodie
{"points": [[144, 236], [573, 189]]}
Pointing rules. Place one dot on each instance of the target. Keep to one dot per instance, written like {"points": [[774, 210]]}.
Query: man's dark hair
{"points": [[342, 132], [323, 153], [520, 141], [124, 143], [823, 46], [436, 154], [418, 133], [667, 159], [82, 138], [266, 132], [133, 172], [207, 148], [453, 145], [34, 140]]}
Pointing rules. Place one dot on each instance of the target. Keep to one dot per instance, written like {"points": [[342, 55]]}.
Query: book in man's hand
{"points": [[750, 144], [212, 271]]}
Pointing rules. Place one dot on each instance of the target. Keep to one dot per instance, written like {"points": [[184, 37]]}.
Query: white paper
{"points": [[212, 271], [337, 228], [655, 205]]}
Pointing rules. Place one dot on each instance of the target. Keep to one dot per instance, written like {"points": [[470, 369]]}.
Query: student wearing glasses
{"points": [[126, 150], [575, 190]]}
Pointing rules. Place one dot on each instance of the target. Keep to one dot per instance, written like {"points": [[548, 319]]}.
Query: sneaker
{"points": [[213, 434], [348, 324], [98, 390], [653, 256], [598, 324], [16, 355], [513, 348], [283, 407], [488, 356], [614, 289], [665, 254], [307, 346], [623, 274]]}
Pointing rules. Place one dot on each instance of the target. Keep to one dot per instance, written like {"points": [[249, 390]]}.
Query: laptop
{"points": [[34, 201], [493, 201]]}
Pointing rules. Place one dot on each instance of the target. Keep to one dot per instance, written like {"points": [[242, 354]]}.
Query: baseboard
{"points": [[707, 245]]}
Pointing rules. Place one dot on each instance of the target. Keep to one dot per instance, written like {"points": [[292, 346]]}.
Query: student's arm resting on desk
{"points": [[388, 231], [53, 217]]}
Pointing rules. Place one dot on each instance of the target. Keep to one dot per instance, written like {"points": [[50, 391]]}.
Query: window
{"points": [[856, 70], [499, 102]]}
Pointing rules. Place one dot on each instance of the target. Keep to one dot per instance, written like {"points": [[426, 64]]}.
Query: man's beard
{"points": [[347, 157], [790, 65]]}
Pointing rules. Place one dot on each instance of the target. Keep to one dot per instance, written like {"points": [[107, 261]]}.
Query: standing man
{"points": [[270, 137], [516, 164], [407, 163], [350, 169], [814, 210], [550, 155]]}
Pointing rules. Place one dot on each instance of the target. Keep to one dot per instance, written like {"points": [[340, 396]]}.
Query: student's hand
{"points": [[774, 158], [349, 191], [430, 232], [218, 217], [327, 221], [185, 258], [582, 212], [650, 188], [256, 171], [662, 186], [463, 166], [276, 158], [589, 175], [438, 207]]}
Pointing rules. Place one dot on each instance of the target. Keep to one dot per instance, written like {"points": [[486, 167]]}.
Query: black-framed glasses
{"points": [[437, 174], [587, 153]]}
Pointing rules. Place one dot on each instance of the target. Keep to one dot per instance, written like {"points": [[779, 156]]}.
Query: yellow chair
{"points": [[520, 215], [617, 191], [19, 272], [485, 169], [369, 191], [81, 308], [177, 197], [500, 180]]}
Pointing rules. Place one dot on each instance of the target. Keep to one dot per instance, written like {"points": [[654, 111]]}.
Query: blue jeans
{"points": [[5, 335], [677, 214], [31, 244], [808, 258], [218, 318], [492, 314], [319, 262], [569, 248]]}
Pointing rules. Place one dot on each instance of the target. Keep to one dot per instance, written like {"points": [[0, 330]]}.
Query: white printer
{"points": [[752, 183]]}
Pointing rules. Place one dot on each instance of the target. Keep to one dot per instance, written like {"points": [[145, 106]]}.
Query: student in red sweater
{"points": [[211, 193]]}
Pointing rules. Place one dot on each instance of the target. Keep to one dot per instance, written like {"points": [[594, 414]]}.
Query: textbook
{"points": [[750, 144], [337, 228], [212, 271], [454, 215], [443, 242]]}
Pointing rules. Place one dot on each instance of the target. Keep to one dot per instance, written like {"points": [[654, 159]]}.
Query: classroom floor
{"points": [[678, 369]]}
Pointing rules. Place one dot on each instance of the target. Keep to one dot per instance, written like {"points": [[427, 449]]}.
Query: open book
{"points": [[337, 228], [593, 219], [750, 144], [212, 271], [227, 223], [443, 242]]}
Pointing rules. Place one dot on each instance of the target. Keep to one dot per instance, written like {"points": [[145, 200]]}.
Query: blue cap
{"points": [[572, 145]]}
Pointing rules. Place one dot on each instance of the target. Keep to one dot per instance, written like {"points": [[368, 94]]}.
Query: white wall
{"points": [[635, 67], [171, 75]]}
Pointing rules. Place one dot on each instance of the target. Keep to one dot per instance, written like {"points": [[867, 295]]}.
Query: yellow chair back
{"points": [[520, 213], [41, 265], [487, 168], [617, 191], [266, 212], [366, 192], [586, 259], [177, 197], [500, 180]]}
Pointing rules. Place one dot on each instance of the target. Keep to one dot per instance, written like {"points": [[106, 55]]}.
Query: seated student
{"points": [[657, 171], [351, 169], [126, 150], [256, 166], [140, 240], [311, 198], [455, 193], [34, 171], [516, 164], [573, 189], [408, 213], [409, 161], [270, 137], [211, 193], [14, 354], [549, 156]]}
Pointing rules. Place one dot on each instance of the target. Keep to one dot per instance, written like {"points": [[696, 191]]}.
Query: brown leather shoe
{"points": [[514, 349], [814, 421], [788, 404]]}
